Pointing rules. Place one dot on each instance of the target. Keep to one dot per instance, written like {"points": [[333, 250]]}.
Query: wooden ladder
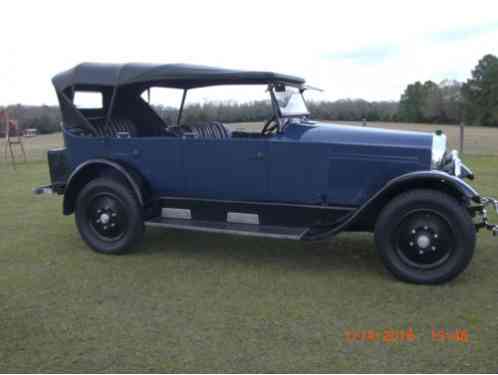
{"points": [[13, 137]]}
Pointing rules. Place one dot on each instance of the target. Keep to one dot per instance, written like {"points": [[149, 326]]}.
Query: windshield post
{"points": [[111, 105], [180, 111], [275, 107]]}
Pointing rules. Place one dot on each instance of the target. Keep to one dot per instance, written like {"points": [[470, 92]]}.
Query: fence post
{"points": [[461, 137]]}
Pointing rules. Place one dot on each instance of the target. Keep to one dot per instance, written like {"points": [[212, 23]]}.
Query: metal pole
{"points": [[461, 137]]}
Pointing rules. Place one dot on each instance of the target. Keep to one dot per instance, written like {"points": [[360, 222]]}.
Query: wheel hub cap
{"points": [[104, 218], [423, 241]]}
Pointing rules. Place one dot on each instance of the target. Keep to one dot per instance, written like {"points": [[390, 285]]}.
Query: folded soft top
{"points": [[169, 75]]}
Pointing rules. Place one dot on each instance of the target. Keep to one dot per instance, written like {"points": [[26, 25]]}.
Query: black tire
{"points": [[425, 237], [109, 199]]}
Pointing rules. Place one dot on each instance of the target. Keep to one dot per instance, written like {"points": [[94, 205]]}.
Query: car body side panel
{"points": [[81, 149], [356, 173], [159, 159], [229, 169], [308, 163], [297, 171], [342, 165]]}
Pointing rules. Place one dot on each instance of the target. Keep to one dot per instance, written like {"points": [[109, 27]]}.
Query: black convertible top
{"points": [[171, 75]]}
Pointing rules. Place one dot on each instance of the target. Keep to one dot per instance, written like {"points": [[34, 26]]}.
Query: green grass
{"points": [[197, 302]]}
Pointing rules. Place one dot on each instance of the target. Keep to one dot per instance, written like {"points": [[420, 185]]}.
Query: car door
{"points": [[297, 171], [158, 159], [226, 169]]}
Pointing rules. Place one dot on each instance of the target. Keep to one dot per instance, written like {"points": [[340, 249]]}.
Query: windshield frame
{"points": [[276, 105]]}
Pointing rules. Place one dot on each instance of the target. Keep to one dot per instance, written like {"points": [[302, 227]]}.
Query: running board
{"points": [[271, 231]]}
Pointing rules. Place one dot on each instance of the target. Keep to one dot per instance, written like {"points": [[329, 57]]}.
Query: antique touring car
{"points": [[123, 167]]}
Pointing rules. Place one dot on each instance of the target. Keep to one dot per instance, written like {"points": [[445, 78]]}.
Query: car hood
{"points": [[321, 132], [357, 161]]}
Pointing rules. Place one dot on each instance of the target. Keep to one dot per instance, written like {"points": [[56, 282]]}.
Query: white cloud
{"points": [[312, 39]]}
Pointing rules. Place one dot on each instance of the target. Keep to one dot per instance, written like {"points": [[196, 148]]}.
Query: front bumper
{"points": [[482, 214], [453, 165]]}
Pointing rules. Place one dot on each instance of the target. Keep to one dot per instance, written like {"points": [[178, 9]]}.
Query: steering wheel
{"points": [[268, 128]]}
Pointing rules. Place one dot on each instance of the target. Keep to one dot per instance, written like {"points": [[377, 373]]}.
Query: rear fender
{"points": [[95, 168]]}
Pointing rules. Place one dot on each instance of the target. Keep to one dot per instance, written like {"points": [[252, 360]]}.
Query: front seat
{"points": [[211, 129]]}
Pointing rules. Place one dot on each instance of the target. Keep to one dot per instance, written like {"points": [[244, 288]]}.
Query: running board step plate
{"points": [[288, 233]]}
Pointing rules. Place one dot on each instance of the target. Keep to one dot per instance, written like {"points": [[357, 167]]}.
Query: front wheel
{"points": [[425, 237], [108, 216]]}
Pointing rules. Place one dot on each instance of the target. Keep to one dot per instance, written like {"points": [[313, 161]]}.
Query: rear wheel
{"points": [[108, 216], [425, 237]]}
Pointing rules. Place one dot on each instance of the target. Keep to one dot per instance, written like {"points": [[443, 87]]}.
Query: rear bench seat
{"points": [[116, 125]]}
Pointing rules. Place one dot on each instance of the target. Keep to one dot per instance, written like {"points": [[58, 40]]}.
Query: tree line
{"points": [[45, 118], [475, 102]]}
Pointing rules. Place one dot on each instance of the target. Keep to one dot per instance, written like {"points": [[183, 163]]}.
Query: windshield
{"points": [[291, 102]]}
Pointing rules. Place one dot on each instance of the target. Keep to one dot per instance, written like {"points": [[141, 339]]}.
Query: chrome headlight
{"points": [[457, 164], [438, 150], [452, 164]]}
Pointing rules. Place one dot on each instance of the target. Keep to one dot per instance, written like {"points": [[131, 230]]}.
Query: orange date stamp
{"points": [[404, 335], [457, 335]]}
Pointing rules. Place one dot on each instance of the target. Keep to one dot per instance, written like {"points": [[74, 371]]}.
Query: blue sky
{"points": [[354, 49], [368, 55], [467, 32], [378, 53]]}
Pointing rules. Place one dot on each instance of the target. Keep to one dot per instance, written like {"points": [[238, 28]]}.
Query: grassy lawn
{"points": [[198, 302]]}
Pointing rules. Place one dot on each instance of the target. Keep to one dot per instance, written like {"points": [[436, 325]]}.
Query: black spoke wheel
{"points": [[108, 216], [424, 239], [425, 236]]}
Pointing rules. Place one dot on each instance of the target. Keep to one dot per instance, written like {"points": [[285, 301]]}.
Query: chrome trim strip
{"points": [[176, 213], [243, 218]]}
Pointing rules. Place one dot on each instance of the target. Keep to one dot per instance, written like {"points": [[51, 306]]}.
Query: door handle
{"points": [[259, 156], [136, 153]]}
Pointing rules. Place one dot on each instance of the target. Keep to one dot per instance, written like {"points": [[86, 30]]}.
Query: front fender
{"points": [[434, 178], [94, 168], [364, 217]]}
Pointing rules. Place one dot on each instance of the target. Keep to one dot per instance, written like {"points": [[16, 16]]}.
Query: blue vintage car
{"points": [[122, 168]]}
